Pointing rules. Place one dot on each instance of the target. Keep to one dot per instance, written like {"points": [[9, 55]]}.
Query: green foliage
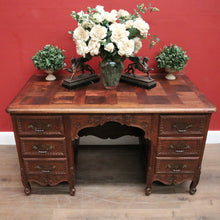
{"points": [[172, 57], [153, 40], [141, 8], [50, 57], [133, 32]]}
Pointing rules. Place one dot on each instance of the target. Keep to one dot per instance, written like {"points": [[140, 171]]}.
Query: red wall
{"points": [[27, 25]]}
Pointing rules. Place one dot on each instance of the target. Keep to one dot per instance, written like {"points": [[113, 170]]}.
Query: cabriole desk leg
{"points": [[26, 184], [194, 183], [72, 191], [72, 182], [27, 189], [70, 153], [148, 188]]}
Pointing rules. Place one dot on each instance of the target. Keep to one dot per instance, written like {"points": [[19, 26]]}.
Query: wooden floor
{"points": [[110, 186]]}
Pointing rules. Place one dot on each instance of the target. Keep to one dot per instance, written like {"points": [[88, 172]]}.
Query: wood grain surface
{"points": [[179, 96]]}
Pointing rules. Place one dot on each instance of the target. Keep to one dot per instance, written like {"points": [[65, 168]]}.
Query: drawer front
{"points": [[182, 125], [181, 165], [43, 147], [46, 166], [40, 125], [179, 146]]}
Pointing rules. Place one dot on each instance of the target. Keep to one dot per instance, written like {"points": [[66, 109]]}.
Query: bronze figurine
{"points": [[138, 64], [129, 75], [79, 65], [82, 79]]}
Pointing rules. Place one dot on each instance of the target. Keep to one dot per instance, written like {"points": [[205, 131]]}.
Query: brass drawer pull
{"points": [[182, 127], [179, 147], [176, 167], [43, 148], [39, 127], [45, 168]]}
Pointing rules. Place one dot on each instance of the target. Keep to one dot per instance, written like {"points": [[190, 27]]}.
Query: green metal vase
{"points": [[110, 72]]}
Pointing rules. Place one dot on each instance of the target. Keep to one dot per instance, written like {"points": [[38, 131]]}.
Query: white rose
{"points": [[87, 24], [98, 17], [81, 13], [81, 48], [126, 47], [110, 16], [119, 34], [123, 13], [142, 26], [80, 34], [93, 47], [129, 24], [137, 44], [114, 12], [116, 26], [99, 8], [110, 47], [98, 32]]}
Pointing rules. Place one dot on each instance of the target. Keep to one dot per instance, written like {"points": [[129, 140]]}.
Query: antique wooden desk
{"points": [[173, 120]]}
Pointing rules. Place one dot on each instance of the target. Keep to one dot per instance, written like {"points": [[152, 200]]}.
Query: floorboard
{"points": [[110, 185]]}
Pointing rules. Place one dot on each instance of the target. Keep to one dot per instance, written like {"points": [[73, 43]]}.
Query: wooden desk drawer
{"points": [[46, 166], [182, 125], [179, 146], [173, 165], [40, 125], [43, 147]]}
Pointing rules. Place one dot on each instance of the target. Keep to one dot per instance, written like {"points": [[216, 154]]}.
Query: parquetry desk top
{"points": [[178, 96]]}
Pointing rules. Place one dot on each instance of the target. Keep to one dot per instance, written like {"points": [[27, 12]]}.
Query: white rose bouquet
{"points": [[114, 35]]}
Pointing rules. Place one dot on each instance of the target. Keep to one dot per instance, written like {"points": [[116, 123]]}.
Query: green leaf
{"points": [[155, 9]]}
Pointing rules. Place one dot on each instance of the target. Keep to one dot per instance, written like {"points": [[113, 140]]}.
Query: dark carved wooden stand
{"points": [[80, 80], [138, 80]]}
